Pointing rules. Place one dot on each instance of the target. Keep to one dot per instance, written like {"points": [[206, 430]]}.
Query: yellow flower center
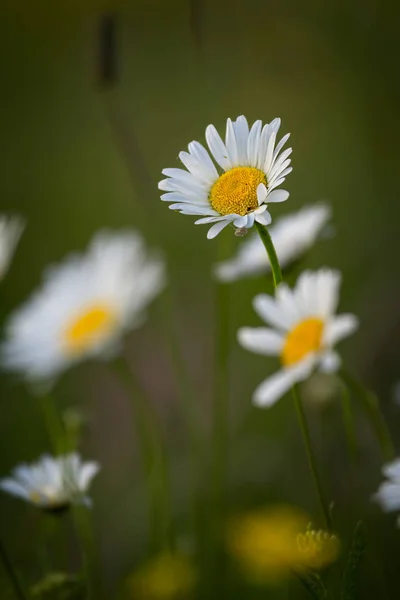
{"points": [[88, 327], [236, 191], [304, 338]]}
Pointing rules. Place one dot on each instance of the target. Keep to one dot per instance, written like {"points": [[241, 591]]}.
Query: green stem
{"points": [[310, 456], [190, 407], [12, 574], [153, 458], [54, 425], [277, 277], [370, 404], [273, 258], [348, 421]]}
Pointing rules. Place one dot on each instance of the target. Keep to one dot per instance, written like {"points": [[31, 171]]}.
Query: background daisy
{"points": [[83, 307], [11, 229], [52, 483], [304, 331], [292, 236], [388, 494], [252, 168]]}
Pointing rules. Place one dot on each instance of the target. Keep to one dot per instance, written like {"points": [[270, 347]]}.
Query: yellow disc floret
{"points": [[236, 191], [304, 338], [88, 327]]}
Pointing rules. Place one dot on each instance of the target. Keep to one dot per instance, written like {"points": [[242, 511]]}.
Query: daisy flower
{"points": [[83, 307], [292, 235], [11, 229], [304, 331], [251, 168], [52, 484], [388, 494]]}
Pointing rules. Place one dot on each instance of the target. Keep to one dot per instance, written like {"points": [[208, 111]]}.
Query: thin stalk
{"points": [[310, 456], [12, 574], [273, 258], [370, 404], [190, 408], [277, 278], [54, 424], [153, 458], [348, 421]]}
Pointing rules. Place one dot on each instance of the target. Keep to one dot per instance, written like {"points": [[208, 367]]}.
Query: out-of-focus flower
{"points": [[165, 577], [252, 168], [388, 494], [317, 548], [56, 585], [305, 331], [11, 229], [52, 484], [271, 542], [292, 236], [83, 307]]}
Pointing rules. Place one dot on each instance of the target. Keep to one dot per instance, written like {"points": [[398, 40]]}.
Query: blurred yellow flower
{"points": [[268, 543], [165, 577]]}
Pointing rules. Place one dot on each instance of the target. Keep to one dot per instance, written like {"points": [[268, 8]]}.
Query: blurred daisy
{"points": [[52, 483], [165, 577], [11, 229], [83, 307], [292, 236], [305, 329], [388, 494], [268, 543], [252, 168]]}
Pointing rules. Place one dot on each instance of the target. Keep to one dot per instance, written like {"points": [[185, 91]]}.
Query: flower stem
{"points": [[12, 574], [348, 421], [273, 258], [370, 403], [153, 458], [310, 456], [277, 278], [54, 425]]}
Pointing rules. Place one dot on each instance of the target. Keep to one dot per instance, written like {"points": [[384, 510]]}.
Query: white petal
{"points": [[261, 340], [241, 129], [14, 488], [198, 170], [273, 388], [392, 470], [217, 148], [340, 327], [230, 143], [269, 310], [253, 143], [388, 496], [192, 209], [240, 222], [286, 301], [87, 472], [329, 362], [280, 145], [208, 220], [200, 153], [328, 283], [261, 193], [269, 153], [262, 147], [216, 229], [181, 198], [264, 218], [278, 196]]}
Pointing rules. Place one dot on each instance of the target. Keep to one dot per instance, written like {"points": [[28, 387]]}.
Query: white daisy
{"points": [[83, 307], [305, 329], [52, 483], [252, 167], [11, 229], [292, 236], [388, 494]]}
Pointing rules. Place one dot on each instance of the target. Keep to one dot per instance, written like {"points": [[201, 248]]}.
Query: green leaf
{"points": [[353, 563], [313, 583]]}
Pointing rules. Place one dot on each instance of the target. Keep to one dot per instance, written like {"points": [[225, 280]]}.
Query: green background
{"points": [[78, 155]]}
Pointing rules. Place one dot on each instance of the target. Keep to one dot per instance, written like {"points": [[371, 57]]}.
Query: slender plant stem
{"points": [[370, 404], [153, 458], [12, 574], [54, 424], [273, 258], [277, 278], [310, 456], [348, 421]]}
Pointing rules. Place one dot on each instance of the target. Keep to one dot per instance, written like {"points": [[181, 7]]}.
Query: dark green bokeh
{"points": [[78, 156]]}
